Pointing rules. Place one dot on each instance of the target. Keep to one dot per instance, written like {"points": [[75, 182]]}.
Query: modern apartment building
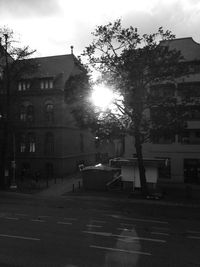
{"points": [[182, 152]]}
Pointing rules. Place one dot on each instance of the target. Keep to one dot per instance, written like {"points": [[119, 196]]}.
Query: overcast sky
{"points": [[52, 26]]}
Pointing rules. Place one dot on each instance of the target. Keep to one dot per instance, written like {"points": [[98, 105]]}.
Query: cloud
{"points": [[26, 8], [181, 17]]}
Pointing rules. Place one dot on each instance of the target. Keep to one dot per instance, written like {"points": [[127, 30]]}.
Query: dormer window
{"points": [[46, 84], [23, 85]]}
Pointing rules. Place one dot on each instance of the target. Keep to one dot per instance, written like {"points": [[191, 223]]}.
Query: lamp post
{"points": [[8, 121], [5, 174]]}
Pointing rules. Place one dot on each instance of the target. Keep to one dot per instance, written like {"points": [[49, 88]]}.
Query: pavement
{"points": [[72, 186], [60, 186]]}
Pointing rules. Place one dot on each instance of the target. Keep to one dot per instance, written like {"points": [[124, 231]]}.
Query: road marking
{"points": [[38, 220], [159, 233], [95, 226], [136, 219], [193, 237], [98, 233], [20, 237], [11, 218], [122, 250], [124, 229], [193, 232], [69, 223], [132, 239], [124, 238]]}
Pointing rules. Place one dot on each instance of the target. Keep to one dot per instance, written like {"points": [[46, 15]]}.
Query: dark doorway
{"points": [[192, 171], [49, 170]]}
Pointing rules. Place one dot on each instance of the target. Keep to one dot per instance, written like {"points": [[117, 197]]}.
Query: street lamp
{"points": [[7, 126]]}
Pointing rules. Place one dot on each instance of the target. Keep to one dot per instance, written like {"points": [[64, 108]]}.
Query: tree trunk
{"points": [[138, 147]]}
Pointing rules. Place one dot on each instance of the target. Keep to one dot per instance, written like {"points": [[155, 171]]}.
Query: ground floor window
{"points": [[25, 171], [164, 169], [192, 171]]}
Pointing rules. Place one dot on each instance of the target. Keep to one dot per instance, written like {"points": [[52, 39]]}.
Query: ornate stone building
{"points": [[44, 137]]}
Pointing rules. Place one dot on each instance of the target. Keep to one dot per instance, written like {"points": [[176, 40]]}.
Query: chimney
{"points": [[72, 49]]}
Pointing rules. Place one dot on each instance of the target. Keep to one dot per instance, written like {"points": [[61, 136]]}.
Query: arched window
{"points": [[49, 143], [30, 113], [22, 114], [49, 112], [22, 143], [31, 142]]}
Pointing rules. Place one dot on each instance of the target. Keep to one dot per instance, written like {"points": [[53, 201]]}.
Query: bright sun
{"points": [[102, 96]]}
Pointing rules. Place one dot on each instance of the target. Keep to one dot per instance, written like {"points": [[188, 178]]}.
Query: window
{"points": [[27, 143], [164, 168], [22, 143], [46, 84], [49, 143], [30, 113], [31, 142], [49, 112], [22, 114], [26, 113], [23, 85]]}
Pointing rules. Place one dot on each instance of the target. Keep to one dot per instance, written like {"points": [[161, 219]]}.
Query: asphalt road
{"points": [[74, 231]]}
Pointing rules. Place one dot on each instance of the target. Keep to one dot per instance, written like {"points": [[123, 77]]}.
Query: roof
{"points": [[53, 66], [189, 49]]}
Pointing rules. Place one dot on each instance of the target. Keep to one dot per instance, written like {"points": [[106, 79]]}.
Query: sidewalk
{"points": [[72, 185], [62, 186]]}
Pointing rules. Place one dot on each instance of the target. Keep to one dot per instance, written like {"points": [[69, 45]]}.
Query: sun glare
{"points": [[102, 96]]}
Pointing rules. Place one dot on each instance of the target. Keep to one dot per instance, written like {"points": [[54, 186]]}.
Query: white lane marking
{"points": [[132, 239], [124, 238], [193, 237], [122, 250], [38, 220], [20, 237], [159, 233], [136, 219], [98, 233], [11, 218], [95, 226], [193, 232], [69, 223], [124, 229]]}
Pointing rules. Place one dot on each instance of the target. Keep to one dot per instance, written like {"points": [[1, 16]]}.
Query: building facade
{"points": [[44, 138], [182, 152]]}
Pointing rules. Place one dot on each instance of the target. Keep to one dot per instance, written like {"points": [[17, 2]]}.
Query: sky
{"points": [[52, 26]]}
